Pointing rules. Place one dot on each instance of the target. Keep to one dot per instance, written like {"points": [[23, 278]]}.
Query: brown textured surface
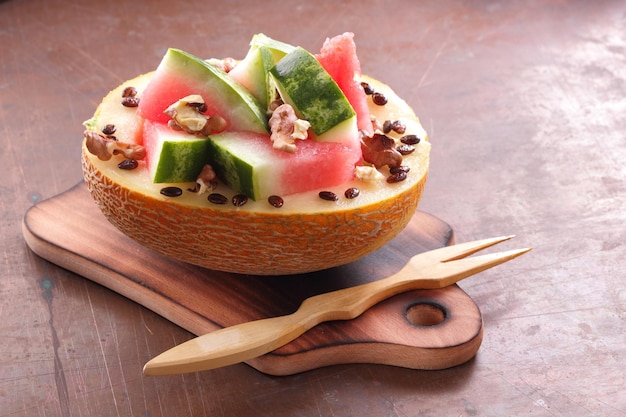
{"points": [[524, 101], [202, 300]]}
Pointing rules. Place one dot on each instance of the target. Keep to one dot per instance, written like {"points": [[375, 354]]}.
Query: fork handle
{"points": [[249, 340], [228, 346]]}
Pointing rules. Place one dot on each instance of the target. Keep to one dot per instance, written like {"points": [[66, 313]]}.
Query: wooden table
{"points": [[525, 103]]}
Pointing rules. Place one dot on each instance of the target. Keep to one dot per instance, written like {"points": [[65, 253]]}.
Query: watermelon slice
{"points": [[181, 74], [248, 164], [252, 71], [338, 57], [173, 156]]}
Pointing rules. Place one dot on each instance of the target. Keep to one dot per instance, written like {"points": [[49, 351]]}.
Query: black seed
{"points": [[328, 195], [130, 101], [129, 92], [401, 168], [398, 127], [387, 126], [239, 200], [108, 129], [397, 177], [217, 198], [128, 164], [379, 99], [405, 149], [276, 201], [410, 139], [171, 191], [368, 88], [352, 193]]}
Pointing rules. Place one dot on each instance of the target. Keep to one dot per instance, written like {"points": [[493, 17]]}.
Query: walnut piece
{"points": [[286, 128], [206, 181], [105, 147], [187, 115], [368, 173], [379, 150]]}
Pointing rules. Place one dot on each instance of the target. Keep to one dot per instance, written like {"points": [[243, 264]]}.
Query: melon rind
{"points": [[306, 234]]}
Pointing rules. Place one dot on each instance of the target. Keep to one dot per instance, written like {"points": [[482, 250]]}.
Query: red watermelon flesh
{"points": [[181, 74], [263, 170], [164, 90], [338, 57]]}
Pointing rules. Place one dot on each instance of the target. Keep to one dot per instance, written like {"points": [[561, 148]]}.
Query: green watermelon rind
{"points": [[181, 159], [239, 174], [245, 111], [304, 84]]}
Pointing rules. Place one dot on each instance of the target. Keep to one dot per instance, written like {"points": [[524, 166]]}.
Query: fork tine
{"points": [[456, 270], [461, 250]]}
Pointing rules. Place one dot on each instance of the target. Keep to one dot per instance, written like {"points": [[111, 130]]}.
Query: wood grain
{"points": [[524, 102], [69, 231]]}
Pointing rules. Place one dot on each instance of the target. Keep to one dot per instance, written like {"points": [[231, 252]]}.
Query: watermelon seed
{"points": [[352, 192], [171, 191], [367, 88], [328, 195], [129, 97], [217, 198], [401, 168], [396, 125], [410, 139], [108, 129], [405, 149], [129, 92], [276, 201], [239, 200], [128, 164], [379, 99], [130, 101], [397, 177]]}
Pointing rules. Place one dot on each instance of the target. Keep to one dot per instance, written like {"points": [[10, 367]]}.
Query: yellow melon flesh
{"points": [[306, 234]]}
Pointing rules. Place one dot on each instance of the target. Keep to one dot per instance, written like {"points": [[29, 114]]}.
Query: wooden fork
{"points": [[434, 269]]}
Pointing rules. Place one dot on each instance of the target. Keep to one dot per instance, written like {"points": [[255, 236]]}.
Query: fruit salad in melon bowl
{"points": [[285, 161]]}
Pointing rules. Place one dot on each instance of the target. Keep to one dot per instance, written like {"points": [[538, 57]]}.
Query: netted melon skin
{"points": [[247, 242]]}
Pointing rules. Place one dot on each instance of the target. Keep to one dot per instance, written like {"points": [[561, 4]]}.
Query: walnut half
{"points": [[187, 115], [286, 128], [379, 150], [105, 147]]}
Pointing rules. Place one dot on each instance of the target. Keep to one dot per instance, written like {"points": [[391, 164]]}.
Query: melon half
{"points": [[306, 234]]}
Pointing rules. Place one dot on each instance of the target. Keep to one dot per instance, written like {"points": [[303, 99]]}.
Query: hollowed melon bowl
{"points": [[306, 234]]}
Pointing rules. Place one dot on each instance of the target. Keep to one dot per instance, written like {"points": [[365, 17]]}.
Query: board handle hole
{"points": [[425, 314]]}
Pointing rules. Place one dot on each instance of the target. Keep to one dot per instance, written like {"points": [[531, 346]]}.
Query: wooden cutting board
{"points": [[424, 329]]}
